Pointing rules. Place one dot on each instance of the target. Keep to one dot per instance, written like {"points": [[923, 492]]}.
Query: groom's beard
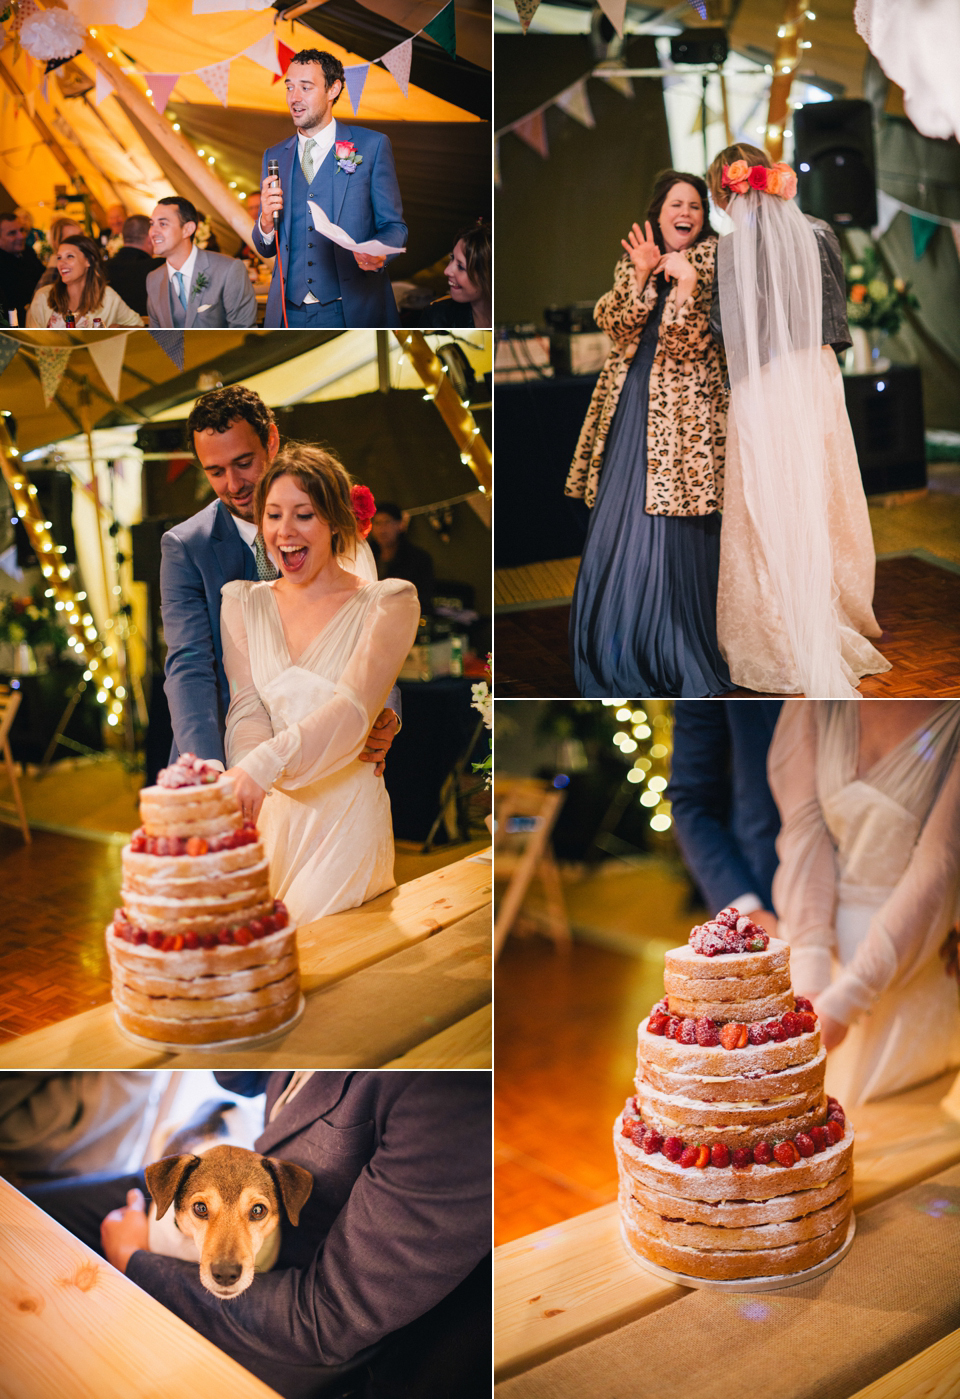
{"points": [[242, 509]]}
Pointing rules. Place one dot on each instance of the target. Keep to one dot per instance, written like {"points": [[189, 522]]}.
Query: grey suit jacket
{"points": [[226, 298], [399, 1216]]}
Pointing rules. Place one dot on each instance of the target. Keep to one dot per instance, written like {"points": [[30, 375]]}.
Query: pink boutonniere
{"points": [[347, 158]]}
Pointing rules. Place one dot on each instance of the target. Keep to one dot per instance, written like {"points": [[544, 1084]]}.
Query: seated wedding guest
{"points": [[61, 228], [20, 268], [724, 817], [396, 557], [468, 275], [34, 234], [196, 287], [116, 216], [79, 296], [69, 1124], [391, 1247], [127, 271], [868, 886]]}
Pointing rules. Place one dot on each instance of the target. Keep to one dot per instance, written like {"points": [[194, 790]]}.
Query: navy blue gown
{"points": [[644, 614]]}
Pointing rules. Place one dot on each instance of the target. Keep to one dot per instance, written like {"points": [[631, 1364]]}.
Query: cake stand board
{"points": [[771, 1284], [214, 1046]]}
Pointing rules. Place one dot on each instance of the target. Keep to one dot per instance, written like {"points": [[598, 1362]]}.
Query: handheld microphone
{"points": [[273, 171]]}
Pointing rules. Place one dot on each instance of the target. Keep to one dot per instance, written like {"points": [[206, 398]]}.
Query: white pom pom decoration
{"points": [[53, 34]]}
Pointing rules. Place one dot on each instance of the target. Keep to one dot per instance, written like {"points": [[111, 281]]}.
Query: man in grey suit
{"points": [[195, 288]]}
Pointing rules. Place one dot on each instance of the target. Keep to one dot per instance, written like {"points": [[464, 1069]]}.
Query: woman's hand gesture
{"points": [[675, 267], [642, 250]]}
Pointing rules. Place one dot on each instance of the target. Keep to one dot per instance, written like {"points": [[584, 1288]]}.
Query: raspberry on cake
{"points": [[745, 1169], [200, 952]]}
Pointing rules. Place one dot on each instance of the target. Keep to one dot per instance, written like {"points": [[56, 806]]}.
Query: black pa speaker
{"points": [[699, 46], [836, 166], [54, 500], [886, 417]]}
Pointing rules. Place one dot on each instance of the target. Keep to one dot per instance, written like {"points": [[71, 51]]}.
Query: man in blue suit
{"points": [[349, 173], [724, 817], [235, 438]]}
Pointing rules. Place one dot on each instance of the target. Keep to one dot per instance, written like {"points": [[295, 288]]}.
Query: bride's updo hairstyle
{"points": [[753, 155], [324, 479]]}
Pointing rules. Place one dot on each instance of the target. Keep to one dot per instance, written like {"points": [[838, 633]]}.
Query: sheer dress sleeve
{"points": [[333, 734]]}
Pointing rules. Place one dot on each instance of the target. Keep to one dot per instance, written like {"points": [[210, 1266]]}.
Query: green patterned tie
{"points": [[265, 569], [306, 164]]}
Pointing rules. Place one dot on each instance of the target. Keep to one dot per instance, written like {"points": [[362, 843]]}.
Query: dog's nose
{"points": [[225, 1271]]}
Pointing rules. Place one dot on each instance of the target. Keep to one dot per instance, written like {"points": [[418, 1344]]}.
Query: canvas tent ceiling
{"points": [[121, 165], [300, 365]]}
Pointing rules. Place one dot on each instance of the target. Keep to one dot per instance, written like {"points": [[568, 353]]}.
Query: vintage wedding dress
{"points": [[297, 726], [868, 888]]}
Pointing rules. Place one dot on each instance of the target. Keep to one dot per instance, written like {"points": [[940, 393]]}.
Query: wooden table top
{"points": [[75, 1328], [574, 1281], [379, 982]]}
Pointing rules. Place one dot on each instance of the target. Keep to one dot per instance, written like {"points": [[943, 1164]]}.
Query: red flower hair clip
{"points": [[364, 508], [775, 179]]}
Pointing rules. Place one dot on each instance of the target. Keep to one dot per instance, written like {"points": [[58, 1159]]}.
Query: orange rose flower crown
{"points": [[778, 179]]}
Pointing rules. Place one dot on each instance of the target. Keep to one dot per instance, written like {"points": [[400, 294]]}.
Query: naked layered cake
{"points": [[199, 952], [733, 1162]]}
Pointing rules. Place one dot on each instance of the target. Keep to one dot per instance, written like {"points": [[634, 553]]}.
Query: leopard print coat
{"points": [[687, 416]]}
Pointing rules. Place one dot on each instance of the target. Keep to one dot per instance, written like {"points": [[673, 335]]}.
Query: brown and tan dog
{"points": [[228, 1202]]}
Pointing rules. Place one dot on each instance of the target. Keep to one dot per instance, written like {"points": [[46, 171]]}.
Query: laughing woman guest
{"points": [[470, 302], [643, 614], [79, 294]]}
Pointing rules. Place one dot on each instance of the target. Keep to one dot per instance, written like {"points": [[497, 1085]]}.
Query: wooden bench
{"points": [[381, 982], [574, 1281], [75, 1327]]}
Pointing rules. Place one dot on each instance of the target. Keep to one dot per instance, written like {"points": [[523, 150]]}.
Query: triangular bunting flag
{"points": [[52, 362], [284, 56], [922, 230], [104, 87], [25, 9], [8, 348], [443, 29], [216, 77], [161, 86], [526, 9], [264, 52], [615, 11], [107, 352], [397, 62], [533, 130], [356, 76], [576, 104], [43, 86], [171, 343], [30, 98], [216, 7], [712, 116], [623, 85]]}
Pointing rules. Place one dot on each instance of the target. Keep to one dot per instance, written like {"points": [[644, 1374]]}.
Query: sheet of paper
{"points": [[336, 235]]}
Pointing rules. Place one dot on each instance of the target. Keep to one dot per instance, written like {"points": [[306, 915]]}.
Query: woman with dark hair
{"points": [[643, 614], [795, 603], [79, 294], [308, 657], [470, 302]]}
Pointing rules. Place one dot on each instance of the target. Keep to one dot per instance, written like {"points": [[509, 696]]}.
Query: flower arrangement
{"points": [[347, 158], [30, 621], [875, 300], [364, 507], [202, 236], [482, 702], [777, 179]]}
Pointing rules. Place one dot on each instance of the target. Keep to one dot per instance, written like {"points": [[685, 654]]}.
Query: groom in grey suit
{"points": [[194, 288], [235, 438]]}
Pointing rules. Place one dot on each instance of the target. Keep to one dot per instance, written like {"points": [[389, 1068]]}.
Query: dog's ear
{"points": [[293, 1183], [164, 1179]]}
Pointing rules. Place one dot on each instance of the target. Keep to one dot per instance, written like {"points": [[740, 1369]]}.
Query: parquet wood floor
{"points": [[917, 603]]}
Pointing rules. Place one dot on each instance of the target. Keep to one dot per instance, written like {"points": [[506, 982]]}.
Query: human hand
{"points": [[676, 267], [271, 201], [384, 731], [642, 249], [765, 919], [250, 794], [124, 1231], [368, 263], [832, 1032]]}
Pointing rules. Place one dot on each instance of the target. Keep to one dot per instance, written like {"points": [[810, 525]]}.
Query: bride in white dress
{"points": [[868, 886], [310, 659]]}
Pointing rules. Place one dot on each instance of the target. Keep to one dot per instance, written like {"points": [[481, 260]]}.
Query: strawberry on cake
{"points": [[200, 953], [733, 1162]]}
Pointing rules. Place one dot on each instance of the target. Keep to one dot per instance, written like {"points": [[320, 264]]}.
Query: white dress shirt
{"points": [[188, 269]]}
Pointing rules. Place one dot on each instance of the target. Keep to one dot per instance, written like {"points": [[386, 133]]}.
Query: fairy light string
{"points": [[474, 452]]}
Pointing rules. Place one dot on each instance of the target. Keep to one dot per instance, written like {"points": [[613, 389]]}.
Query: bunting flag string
{"points": [[576, 104], [107, 353], [8, 348], [104, 87], [356, 77], [397, 62], [533, 130], [161, 86], [171, 343], [52, 361], [216, 77]]}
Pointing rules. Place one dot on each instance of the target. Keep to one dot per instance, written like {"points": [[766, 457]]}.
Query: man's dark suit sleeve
{"points": [[192, 672], [416, 1223], [385, 197], [700, 795]]}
